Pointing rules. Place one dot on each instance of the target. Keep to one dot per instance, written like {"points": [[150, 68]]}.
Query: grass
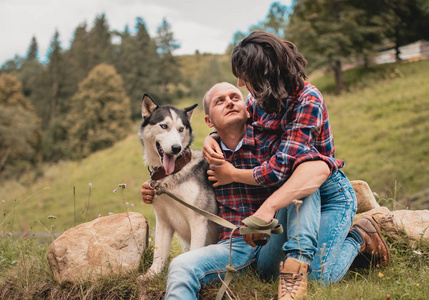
{"points": [[25, 274], [380, 126]]}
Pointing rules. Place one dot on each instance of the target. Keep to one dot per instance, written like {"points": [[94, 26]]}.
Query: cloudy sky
{"points": [[201, 25]]}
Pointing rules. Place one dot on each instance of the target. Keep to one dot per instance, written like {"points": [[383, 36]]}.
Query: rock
{"points": [[112, 244], [412, 223], [365, 197]]}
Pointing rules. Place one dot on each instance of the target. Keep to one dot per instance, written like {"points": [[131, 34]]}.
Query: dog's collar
{"points": [[158, 173]]}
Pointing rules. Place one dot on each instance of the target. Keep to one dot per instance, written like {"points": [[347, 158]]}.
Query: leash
{"points": [[253, 225]]}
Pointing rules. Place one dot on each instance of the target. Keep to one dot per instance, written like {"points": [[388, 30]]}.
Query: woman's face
{"points": [[242, 83]]}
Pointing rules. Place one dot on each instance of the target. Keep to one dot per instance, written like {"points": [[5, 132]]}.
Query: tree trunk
{"points": [[339, 82]]}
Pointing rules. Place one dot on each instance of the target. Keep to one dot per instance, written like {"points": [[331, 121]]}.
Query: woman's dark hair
{"points": [[273, 68]]}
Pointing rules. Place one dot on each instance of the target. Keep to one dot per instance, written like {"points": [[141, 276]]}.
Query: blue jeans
{"points": [[336, 251], [332, 207]]}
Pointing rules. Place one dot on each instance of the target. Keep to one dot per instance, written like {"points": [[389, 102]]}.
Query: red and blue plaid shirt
{"points": [[273, 146], [306, 135], [237, 201]]}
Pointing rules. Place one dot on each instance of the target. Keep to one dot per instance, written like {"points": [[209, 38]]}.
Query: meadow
{"points": [[380, 127]]}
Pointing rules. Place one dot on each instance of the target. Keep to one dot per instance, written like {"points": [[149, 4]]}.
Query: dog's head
{"points": [[165, 133]]}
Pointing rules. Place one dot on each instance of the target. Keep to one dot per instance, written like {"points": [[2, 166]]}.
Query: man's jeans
{"points": [[191, 270]]}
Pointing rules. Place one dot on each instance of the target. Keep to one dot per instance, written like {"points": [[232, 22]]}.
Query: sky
{"points": [[206, 26]]}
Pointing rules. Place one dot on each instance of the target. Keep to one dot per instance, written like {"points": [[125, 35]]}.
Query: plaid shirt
{"points": [[237, 201], [305, 133]]}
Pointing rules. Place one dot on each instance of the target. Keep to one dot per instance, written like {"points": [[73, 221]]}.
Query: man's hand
{"points": [[212, 152], [221, 174], [265, 214], [147, 192], [250, 238]]}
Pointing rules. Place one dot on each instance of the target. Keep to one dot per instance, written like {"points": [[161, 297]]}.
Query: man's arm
{"points": [[304, 181]]}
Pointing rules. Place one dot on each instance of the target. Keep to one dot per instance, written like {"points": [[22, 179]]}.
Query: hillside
{"points": [[380, 127]]}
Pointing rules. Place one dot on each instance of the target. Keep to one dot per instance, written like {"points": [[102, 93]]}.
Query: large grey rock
{"points": [[413, 223], [107, 245], [365, 197]]}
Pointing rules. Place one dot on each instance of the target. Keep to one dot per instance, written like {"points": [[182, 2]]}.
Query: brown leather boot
{"points": [[374, 243], [293, 279]]}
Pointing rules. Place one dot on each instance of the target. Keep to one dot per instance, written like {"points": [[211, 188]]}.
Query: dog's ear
{"points": [[148, 106], [190, 111]]}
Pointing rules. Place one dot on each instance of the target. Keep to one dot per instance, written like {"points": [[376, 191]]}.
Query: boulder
{"points": [[413, 223], [112, 244], [365, 197]]}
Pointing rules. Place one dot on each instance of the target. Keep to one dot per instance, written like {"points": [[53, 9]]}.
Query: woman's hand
{"points": [[147, 192], [212, 152], [221, 174]]}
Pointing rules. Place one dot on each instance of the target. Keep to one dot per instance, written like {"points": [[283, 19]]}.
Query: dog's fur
{"points": [[165, 133]]}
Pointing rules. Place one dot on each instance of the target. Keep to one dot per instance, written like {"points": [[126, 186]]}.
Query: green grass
{"points": [[25, 274], [381, 127]]}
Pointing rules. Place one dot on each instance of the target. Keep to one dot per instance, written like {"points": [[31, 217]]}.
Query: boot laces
{"points": [[289, 283]]}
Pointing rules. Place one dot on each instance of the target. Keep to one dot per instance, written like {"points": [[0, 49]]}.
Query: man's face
{"points": [[226, 107]]}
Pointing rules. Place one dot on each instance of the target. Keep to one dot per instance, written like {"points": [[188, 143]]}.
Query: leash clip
{"points": [[153, 185]]}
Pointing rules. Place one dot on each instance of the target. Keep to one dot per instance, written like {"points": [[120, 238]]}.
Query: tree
{"points": [[78, 54], [169, 72], [12, 65], [20, 134], [331, 32], [33, 76], [236, 38], [275, 21], [33, 50], [137, 64], [100, 113], [405, 21], [100, 43]]}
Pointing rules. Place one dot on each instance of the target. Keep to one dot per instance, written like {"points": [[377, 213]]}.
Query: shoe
{"points": [[374, 243], [293, 280]]}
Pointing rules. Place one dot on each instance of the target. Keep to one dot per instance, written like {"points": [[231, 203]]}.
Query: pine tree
{"points": [[78, 54], [20, 134], [33, 50], [100, 113], [169, 72], [100, 43], [137, 64]]}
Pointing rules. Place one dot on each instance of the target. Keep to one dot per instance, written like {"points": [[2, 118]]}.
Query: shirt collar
{"points": [[248, 140]]}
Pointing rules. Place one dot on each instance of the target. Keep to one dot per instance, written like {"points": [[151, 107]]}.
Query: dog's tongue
{"points": [[168, 162]]}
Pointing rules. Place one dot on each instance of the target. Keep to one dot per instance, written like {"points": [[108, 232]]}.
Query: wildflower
{"points": [[90, 186], [156, 247], [122, 185], [110, 213], [52, 217], [132, 204], [115, 190], [381, 275]]}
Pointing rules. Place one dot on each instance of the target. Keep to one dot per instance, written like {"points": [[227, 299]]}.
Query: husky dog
{"points": [[166, 135]]}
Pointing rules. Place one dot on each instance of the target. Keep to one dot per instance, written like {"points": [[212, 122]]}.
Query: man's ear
{"points": [[247, 114], [208, 121]]}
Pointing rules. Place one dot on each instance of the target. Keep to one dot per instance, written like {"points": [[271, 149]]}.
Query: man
{"points": [[245, 148]]}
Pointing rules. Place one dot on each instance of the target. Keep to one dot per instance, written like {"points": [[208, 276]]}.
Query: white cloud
{"points": [[206, 26]]}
